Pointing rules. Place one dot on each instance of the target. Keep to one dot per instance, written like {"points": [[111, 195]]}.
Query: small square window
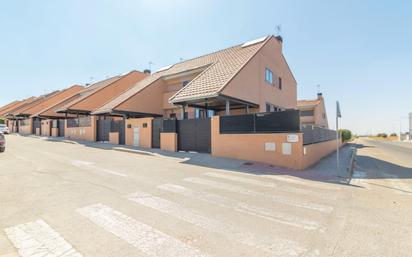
{"points": [[184, 83]]}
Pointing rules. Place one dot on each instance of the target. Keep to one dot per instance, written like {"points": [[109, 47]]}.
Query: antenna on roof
{"points": [[181, 59], [150, 65], [278, 30], [318, 88]]}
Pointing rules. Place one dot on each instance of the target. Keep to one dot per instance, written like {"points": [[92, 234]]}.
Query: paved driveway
{"points": [[71, 200]]}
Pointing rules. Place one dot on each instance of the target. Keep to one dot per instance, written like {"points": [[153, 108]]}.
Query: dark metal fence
{"points": [[116, 125], [79, 122], [313, 135], [169, 126], [268, 122]]}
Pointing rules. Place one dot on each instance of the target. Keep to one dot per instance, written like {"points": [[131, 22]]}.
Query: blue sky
{"points": [[359, 52]]}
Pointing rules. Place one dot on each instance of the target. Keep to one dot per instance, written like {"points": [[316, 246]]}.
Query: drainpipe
{"points": [[227, 107]]}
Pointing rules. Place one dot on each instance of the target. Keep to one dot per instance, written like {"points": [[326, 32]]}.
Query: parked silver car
{"points": [[2, 143], [4, 129]]}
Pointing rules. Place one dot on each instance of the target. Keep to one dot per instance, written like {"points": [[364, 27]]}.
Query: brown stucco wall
{"points": [[250, 85], [315, 152], [168, 142], [145, 139], [82, 133], [252, 147], [111, 91], [54, 132], [149, 100], [114, 138]]}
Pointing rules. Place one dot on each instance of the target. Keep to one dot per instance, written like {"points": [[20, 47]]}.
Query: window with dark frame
{"points": [[280, 83], [269, 76]]}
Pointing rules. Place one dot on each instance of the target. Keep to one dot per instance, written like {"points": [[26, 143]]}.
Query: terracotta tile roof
{"points": [[27, 109], [219, 68], [90, 90], [65, 94], [307, 103], [21, 104]]}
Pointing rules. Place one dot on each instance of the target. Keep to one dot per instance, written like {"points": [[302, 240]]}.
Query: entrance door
{"points": [[103, 130], [60, 125], [136, 136], [156, 129]]}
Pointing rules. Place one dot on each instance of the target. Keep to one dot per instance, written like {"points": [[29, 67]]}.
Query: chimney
{"points": [[320, 95], [280, 39], [147, 71]]}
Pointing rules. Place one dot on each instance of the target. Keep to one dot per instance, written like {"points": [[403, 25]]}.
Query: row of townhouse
{"points": [[240, 102]]}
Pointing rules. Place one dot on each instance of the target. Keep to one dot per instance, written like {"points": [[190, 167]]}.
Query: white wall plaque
{"points": [[292, 138], [287, 148], [270, 146]]}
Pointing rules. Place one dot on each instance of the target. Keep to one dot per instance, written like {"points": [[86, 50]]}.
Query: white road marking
{"points": [[242, 207], [257, 182], [296, 181], [37, 238], [245, 191], [92, 166], [276, 246], [142, 236]]}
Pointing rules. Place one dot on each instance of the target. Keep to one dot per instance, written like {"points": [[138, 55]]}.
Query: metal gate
{"points": [[36, 125], [103, 130], [119, 127], [156, 129], [61, 127], [194, 135]]}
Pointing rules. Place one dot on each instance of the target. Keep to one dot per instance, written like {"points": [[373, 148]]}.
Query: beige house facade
{"points": [[313, 112]]}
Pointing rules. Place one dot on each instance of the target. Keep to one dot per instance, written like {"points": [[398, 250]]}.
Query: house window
{"points": [[280, 83], [307, 113], [268, 106], [210, 113], [269, 76], [184, 83], [197, 113]]}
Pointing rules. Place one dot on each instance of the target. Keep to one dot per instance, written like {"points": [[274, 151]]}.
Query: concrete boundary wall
{"points": [[82, 133], [27, 129], [278, 149], [144, 127]]}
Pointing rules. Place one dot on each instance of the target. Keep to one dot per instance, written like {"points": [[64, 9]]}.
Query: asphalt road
{"points": [[59, 199]]}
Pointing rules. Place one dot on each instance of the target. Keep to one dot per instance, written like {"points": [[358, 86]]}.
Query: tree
{"points": [[394, 135], [2, 121], [346, 134]]}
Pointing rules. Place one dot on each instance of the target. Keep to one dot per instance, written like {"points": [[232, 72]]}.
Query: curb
{"points": [[352, 164]]}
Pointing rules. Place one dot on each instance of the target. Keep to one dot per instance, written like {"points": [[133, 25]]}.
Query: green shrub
{"points": [[394, 135], [346, 134]]}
